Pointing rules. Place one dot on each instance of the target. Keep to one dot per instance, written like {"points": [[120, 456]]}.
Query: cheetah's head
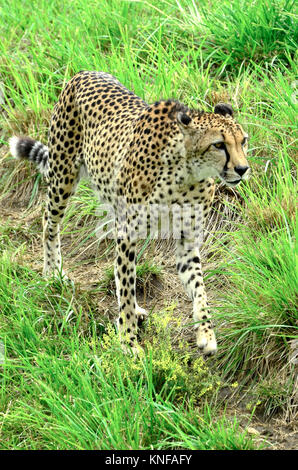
{"points": [[216, 145]]}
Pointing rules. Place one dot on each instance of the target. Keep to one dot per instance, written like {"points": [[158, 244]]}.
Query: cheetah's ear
{"points": [[183, 119], [224, 109]]}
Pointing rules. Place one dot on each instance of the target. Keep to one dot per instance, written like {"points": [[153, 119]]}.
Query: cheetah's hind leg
{"points": [[59, 192]]}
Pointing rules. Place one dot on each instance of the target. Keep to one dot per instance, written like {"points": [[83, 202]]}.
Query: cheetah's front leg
{"points": [[125, 276], [190, 273]]}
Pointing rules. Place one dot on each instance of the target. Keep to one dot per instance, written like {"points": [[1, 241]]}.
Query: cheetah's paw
{"points": [[59, 276], [206, 341], [142, 314]]}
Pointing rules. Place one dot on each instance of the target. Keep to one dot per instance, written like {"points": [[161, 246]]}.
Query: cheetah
{"points": [[138, 156]]}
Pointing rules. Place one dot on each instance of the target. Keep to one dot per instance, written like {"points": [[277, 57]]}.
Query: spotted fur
{"points": [[138, 156]]}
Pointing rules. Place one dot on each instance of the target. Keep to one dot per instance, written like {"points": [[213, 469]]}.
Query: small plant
{"points": [[273, 395], [144, 271], [173, 368]]}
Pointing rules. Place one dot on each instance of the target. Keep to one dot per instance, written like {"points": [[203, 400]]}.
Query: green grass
{"points": [[261, 316], [64, 383]]}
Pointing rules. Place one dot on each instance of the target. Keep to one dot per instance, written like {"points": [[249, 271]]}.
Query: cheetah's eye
{"points": [[244, 141], [220, 145]]}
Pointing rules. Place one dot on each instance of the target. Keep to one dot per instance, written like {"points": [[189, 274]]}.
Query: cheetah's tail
{"points": [[30, 149]]}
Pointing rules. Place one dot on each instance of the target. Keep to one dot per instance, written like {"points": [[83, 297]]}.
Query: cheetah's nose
{"points": [[241, 169]]}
